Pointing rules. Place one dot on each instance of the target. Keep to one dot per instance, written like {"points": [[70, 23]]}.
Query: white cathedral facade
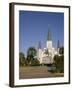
{"points": [[46, 55]]}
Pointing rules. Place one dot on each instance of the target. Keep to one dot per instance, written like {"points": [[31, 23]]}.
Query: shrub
{"points": [[35, 62]]}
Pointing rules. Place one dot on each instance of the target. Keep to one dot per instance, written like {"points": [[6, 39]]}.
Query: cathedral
{"points": [[46, 55]]}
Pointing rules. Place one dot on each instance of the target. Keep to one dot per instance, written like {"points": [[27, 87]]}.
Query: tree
{"points": [[35, 62], [31, 53], [21, 59], [56, 62], [59, 63]]}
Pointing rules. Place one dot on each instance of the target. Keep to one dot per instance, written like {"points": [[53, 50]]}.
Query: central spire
{"points": [[49, 35]]}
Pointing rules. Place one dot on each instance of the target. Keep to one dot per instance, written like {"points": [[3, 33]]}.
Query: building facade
{"points": [[46, 55]]}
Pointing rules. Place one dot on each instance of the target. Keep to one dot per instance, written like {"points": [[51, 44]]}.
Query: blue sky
{"points": [[33, 27]]}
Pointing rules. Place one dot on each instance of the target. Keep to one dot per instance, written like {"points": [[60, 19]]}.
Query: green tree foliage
{"points": [[29, 58], [35, 62], [22, 60], [59, 63], [31, 53]]}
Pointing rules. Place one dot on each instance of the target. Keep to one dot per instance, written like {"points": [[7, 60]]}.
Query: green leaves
{"points": [[35, 62], [30, 60], [59, 63], [32, 51], [21, 59]]}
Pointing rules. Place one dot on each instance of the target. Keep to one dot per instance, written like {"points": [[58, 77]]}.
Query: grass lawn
{"points": [[29, 72]]}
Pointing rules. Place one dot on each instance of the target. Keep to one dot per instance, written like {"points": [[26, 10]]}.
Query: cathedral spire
{"points": [[39, 45], [49, 35], [58, 44]]}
